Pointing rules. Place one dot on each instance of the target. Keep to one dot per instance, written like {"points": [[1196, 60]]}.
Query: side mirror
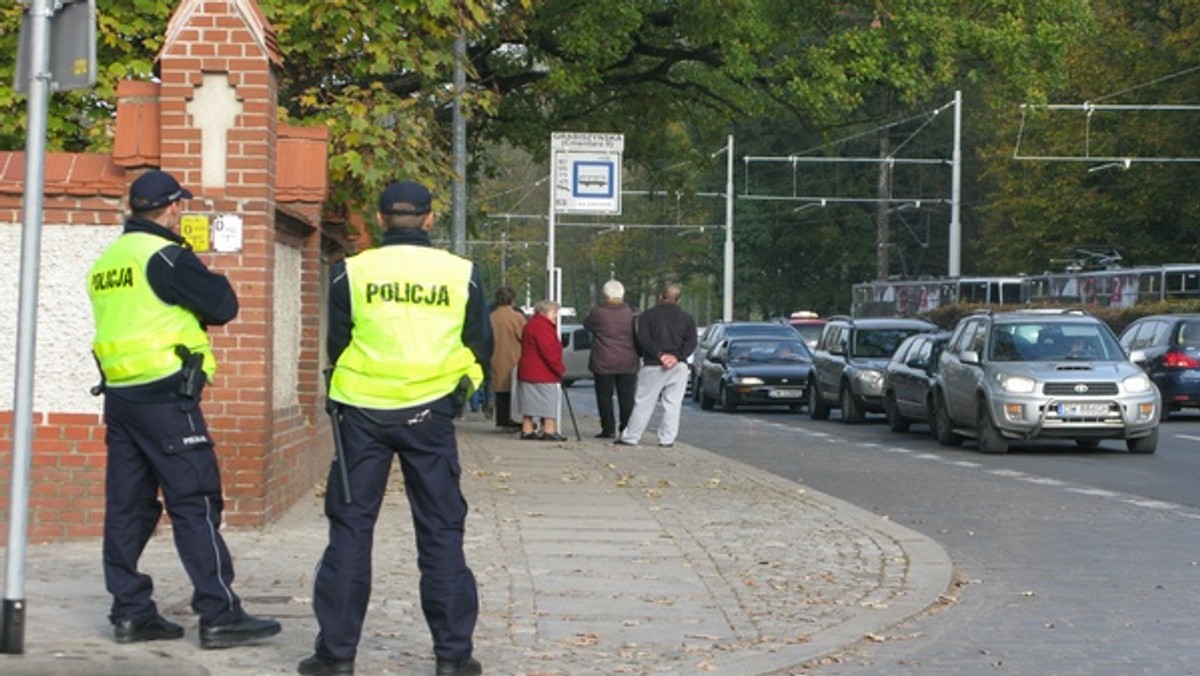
{"points": [[1138, 357], [917, 363], [969, 357]]}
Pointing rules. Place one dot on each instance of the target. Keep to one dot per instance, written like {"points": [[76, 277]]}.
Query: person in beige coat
{"points": [[507, 324]]}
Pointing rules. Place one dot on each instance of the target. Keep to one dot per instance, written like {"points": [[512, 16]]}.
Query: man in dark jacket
{"points": [[665, 334], [614, 358]]}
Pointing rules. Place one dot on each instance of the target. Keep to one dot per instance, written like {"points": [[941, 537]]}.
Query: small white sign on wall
{"points": [[227, 233]]}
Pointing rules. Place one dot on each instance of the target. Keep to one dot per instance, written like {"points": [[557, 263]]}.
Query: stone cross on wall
{"points": [[214, 108]]}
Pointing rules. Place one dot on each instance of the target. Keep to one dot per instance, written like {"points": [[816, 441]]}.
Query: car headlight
{"points": [[747, 380], [1017, 384], [869, 377], [1137, 384]]}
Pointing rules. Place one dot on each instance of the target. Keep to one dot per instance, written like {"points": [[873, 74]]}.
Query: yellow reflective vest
{"points": [[136, 332], [408, 306]]}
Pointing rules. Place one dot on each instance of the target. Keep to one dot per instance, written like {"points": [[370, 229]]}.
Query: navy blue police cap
{"points": [[405, 198], [156, 189]]}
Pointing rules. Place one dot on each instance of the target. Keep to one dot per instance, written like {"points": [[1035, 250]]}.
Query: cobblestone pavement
{"points": [[591, 559]]}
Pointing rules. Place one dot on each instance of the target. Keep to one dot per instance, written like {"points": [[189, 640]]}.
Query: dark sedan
{"points": [[761, 371], [1167, 347], [908, 380]]}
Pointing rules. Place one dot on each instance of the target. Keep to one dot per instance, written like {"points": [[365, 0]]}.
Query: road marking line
{"points": [[1189, 437], [1150, 504], [1097, 492], [1043, 481]]}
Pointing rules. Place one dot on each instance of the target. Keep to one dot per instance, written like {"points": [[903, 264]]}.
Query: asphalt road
{"points": [[1068, 561]]}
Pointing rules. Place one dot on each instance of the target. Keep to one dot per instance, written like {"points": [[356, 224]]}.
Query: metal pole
{"points": [[13, 622], [460, 148], [728, 300], [954, 267], [550, 287], [504, 258]]}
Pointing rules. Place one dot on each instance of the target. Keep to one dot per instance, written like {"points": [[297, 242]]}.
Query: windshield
{"points": [[768, 351], [879, 342], [1054, 341]]}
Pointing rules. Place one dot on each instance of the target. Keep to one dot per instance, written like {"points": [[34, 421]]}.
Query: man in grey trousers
{"points": [[666, 335]]}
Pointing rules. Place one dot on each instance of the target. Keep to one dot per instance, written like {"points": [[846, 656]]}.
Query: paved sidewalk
{"points": [[591, 559]]}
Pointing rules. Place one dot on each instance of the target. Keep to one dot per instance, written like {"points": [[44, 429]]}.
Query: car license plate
{"points": [[786, 394], [1068, 410]]}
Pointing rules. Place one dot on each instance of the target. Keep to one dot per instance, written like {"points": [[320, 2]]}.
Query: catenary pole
{"points": [[12, 633], [460, 147], [727, 313], [954, 266]]}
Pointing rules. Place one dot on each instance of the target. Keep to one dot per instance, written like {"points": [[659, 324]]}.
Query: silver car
{"points": [[577, 350], [1042, 375]]}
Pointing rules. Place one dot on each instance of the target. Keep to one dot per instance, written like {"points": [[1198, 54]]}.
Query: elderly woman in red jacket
{"points": [[539, 373]]}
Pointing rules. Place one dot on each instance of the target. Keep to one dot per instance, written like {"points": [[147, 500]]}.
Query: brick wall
{"points": [[270, 456]]}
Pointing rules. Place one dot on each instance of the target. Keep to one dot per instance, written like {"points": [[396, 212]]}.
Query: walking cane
{"points": [[571, 411]]}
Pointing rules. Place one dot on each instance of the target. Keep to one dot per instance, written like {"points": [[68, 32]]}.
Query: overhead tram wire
{"points": [[1090, 107]]}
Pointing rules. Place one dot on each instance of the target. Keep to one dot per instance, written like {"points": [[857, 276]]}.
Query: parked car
{"points": [[1167, 347], [718, 331], [848, 364], [908, 380], [1041, 375], [756, 371], [577, 349]]}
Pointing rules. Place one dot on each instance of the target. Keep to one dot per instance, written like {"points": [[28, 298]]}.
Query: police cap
{"points": [[156, 189], [405, 198]]}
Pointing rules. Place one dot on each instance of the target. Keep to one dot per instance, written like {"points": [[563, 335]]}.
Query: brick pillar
{"points": [[208, 44]]}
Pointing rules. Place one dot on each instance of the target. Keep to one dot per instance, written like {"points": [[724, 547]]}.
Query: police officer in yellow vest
{"points": [[152, 299], [408, 334]]}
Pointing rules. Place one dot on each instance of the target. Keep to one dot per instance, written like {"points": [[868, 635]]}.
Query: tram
{"points": [[1118, 287]]}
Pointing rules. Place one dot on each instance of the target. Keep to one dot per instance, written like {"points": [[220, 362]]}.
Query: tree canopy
{"points": [[677, 76]]}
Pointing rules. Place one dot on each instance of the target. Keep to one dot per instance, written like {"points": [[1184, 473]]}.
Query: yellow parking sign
{"points": [[195, 229]]}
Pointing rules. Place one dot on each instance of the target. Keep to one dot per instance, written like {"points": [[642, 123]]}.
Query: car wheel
{"points": [[990, 439], [727, 404], [852, 411], [817, 408], [941, 427], [1147, 444], [896, 422], [706, 402], [696, 388]]}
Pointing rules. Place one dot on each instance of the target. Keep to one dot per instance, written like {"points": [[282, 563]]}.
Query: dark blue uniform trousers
{"points": [[423, 438], [153, 446]]}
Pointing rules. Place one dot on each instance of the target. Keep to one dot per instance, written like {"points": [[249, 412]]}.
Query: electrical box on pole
{"points": [[72, 48]]}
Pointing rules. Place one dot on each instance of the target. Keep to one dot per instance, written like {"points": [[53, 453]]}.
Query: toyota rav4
{"points": [[1041, 375]]}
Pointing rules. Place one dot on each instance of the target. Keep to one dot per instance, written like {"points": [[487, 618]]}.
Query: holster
{"points": [[191, 380], [460, 395]]}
